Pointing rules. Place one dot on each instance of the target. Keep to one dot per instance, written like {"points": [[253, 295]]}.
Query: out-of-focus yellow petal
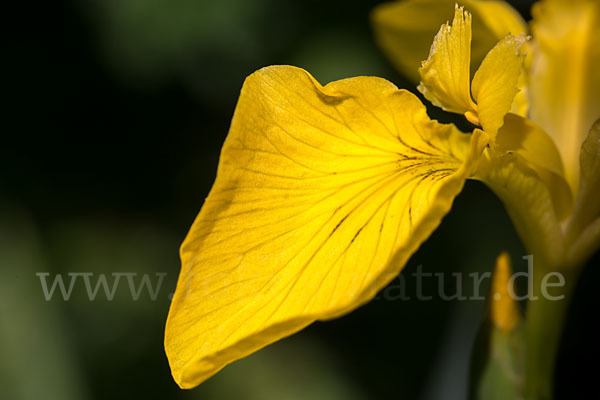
{"points": [[498, 16], [584, 227], [496, 82], [525, 170], [445, 76], [322, 194], [530, 192], [538, 151], [565, 83], [504, 311], [404, 29], [588, 204]]}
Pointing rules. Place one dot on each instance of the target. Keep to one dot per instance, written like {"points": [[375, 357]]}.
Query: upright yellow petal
{"points": [[445, 75], [496, 82], [565, 83], [404, 29], [322, 194]]}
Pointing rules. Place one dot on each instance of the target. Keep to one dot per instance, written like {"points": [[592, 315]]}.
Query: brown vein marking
{"points": [[357, 233], [338, 224]]}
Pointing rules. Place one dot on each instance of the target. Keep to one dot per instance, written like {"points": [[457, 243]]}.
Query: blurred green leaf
{"points": [[330, 55], [498, 359], [155, 39], [497, 368], [37, 360], [296, 368]]}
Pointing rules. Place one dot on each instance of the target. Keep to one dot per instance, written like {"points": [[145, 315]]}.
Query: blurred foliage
{"points": [[37, 357], [117, 112]]}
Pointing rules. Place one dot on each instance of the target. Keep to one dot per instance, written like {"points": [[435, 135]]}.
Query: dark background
{"points": [[116, 113]]}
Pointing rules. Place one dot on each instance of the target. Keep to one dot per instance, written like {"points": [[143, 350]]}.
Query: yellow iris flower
{"points": [[324, 192]]}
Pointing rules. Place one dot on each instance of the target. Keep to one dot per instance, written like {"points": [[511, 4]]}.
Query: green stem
{"points": [[544, 322]]}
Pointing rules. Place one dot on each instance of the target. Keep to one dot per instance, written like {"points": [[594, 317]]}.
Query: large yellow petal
{"points": [[565, 83], [445, 75], [496, 82], [404, 29], [322, 194]]}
